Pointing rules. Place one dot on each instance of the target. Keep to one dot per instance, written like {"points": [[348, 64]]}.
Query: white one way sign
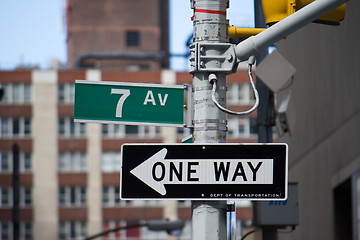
{"points": [[156, 171], [197, 171]]}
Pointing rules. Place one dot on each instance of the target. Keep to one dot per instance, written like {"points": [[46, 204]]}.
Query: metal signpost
{"points": [[204, 171], [212, 58], [130, 103], [209, 169]]}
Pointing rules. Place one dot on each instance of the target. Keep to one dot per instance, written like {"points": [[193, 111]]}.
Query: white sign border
{"points": [[215, 198]]}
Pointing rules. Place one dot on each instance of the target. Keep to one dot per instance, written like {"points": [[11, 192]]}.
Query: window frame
{"points": [[72, 196], [111, 196], [132, 38], [67, 128], [66, 93], [72, 162], [16, 93], [6, 197], [72, 229], [6, 232], [15, 127], [25, 161], [110, 161], [26, 196]]}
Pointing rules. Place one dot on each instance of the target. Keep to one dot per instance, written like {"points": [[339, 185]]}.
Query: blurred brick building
{"points": [[122, 35], [69, 172]]}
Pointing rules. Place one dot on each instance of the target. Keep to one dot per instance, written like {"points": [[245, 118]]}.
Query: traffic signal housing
{"points": [[276, 10]]}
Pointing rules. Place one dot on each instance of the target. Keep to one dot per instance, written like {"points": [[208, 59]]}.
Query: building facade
{"points": [[324, 153], [69, 172], [122, 35]]}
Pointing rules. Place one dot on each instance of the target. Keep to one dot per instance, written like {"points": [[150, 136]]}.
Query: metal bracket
{"points": [[213, 57], [188, 106]]}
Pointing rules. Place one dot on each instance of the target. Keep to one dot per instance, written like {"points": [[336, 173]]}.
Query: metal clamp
{"points": [[213, 57]]}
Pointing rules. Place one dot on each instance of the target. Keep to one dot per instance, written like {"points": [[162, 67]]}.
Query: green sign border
{"points": [[94, 102]]}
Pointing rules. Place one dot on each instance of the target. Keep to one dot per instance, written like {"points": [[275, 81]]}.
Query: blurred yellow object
{"points": [[276, 10], [243, 32]]}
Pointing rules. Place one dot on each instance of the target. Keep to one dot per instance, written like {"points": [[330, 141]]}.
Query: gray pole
{"points": [[210, 26]]}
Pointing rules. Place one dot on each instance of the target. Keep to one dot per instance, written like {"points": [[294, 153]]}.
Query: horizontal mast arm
{"points": [[252, 46]]}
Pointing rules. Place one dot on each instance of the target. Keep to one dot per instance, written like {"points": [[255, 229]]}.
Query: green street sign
{"points": [[129, 103]]}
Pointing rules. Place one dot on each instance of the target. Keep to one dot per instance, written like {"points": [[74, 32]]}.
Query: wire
{"points": [[247, 234], [213, 81], [114, 230]]}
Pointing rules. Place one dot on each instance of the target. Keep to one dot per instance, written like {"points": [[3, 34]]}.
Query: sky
{"points": [[33, 32]]}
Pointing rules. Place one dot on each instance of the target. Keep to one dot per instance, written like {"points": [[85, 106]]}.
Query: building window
{"points": [[238, 128], [26, 231], [5, 127], [149, 131], [132, 39], [72, 162], [240, 93], [25, 196], [68, 128], [15, 127], [110, 162], [113, 131], [111, 196], [66, 93], [25, 162], [121, 131], [5, 197], [241, 128], [5, 231], [72, 230], [6, 162], [182, 132], [74, 196], [27, 93], [16, 93], [184, 203], [132, 130]]}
